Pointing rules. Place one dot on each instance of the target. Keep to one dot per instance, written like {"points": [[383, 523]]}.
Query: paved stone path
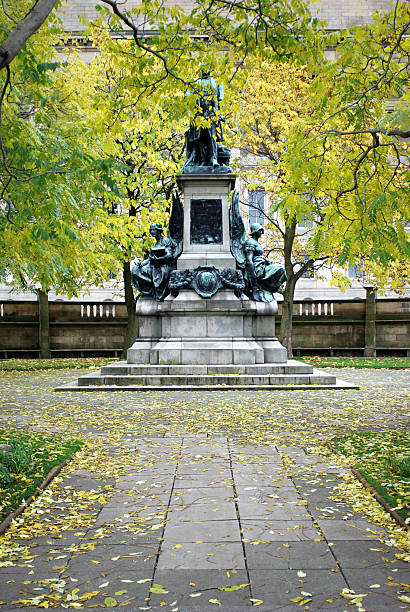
{"points": [[193, 521]]}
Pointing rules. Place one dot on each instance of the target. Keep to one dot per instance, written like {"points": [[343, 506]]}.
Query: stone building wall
{"points": [[337, 13], [341, 14]]}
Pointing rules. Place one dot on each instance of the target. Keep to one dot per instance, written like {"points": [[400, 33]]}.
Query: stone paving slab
{"points": [[201, 556], [203, 495], [255, 530], [277, 589], [271, 512], [202, 531], [289, 555], [182, 584], [336, 529], [204, 479], [199, 511]]}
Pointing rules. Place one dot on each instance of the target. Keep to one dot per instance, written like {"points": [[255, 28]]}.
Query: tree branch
{"points": [[386, 62], [24, 29], [138, 40], [372, 131]]}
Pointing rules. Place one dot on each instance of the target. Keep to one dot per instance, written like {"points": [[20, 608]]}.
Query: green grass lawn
{"points": [[391, 363], [28, 365], [25, 467], [383, 459]]}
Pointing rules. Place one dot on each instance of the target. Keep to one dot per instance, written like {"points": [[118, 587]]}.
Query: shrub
{"points": [[18, 459], [5, 476], [405, 467]]}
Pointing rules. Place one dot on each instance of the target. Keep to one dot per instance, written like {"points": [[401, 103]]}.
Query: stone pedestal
{"points": [[206, 221], [222, 330], [219, 330], [205, 336]]}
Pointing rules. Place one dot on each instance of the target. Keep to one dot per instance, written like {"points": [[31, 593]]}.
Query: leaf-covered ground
{"points": [[111, 530], [391, 363], [61, 363], [28, 365]]}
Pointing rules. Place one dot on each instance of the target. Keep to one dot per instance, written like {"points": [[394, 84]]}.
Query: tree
{"points": [[362, 107], [146, 139], [314, 185], [49, 179], [165, 62], [309, 149], [53, 163], [274, 107], [145, 183], [25, 27]]}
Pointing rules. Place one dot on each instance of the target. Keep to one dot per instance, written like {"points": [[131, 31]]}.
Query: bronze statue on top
{"points": [[205, 151]]}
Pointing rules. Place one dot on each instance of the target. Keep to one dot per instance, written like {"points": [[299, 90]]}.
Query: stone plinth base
{"points": [[123, 376], [222, 330], [191, 343]]}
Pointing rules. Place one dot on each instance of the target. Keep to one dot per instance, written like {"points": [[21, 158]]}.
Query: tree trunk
{"points": [[132, 319], [24, 29], [44, 324], [286, 322], [288, 295]]}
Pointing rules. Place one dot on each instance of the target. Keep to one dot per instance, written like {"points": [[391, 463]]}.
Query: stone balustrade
{"points": [[92, 328]]}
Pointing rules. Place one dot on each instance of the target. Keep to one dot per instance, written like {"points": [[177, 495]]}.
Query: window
{"points": [[308, 221], [256, 207], [305, 224], [309, 273], [355, 272]]}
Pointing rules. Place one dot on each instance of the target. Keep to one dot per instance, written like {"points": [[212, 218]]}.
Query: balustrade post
{"points": [[44, 324], [370, 322]]}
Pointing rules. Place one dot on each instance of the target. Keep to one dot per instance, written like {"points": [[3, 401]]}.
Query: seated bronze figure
{"points": [[151, 276], [262, 277]]}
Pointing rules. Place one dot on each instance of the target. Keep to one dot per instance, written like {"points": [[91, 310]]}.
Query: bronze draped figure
{"points": [[262, 277], [151, 276]]}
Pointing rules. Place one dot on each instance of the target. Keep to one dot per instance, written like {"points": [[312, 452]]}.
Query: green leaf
{"points": [[233, 587], [158, 588], [110, 602]]}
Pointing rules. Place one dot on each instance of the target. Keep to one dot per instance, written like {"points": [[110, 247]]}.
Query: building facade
{"points": [[338, 14]]}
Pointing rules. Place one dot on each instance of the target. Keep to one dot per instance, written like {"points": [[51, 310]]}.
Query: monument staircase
{"points": [[137, 377]]}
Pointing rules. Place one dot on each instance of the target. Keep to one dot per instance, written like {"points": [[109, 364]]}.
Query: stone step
{"points": [[340, 384], [206, 380], [125, 369], [122, 376]]}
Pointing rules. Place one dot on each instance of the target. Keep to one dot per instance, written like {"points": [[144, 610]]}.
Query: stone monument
{"points": [[206, 309], [217, 312]]}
